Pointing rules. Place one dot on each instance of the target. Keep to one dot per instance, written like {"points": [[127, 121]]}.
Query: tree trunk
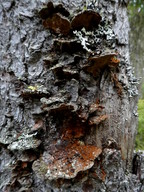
{"points": [[68, 97]]}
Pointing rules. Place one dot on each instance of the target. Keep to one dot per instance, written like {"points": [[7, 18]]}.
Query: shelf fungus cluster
{"points": [[67, 162], [59, 20], [64, 92], [75, 108], [98, 63]]}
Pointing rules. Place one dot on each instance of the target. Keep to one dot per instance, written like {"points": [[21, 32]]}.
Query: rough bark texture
{"points": [[68, 97]]}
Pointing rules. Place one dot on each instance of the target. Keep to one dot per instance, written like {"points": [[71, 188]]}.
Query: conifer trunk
{"points": [[68, 98]]}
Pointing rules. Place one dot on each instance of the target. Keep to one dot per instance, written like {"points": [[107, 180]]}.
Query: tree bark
{"points": [[68, 110]]}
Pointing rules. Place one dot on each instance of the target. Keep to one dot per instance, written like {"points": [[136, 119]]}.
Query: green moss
{"points": [[140, 134]]}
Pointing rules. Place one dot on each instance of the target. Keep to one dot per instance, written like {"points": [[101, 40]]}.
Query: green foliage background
{"points": [[136, 18], [140, 133]]}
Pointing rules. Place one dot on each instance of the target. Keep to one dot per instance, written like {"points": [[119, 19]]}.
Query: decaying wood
{"points": [[68, 97]]}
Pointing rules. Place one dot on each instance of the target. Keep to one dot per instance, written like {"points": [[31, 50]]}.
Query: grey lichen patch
{"points": [[105, 30], [66, 163], [52, 100], [97, 40], [25, 142], [7, 136], [83, 39], [129, 81]]}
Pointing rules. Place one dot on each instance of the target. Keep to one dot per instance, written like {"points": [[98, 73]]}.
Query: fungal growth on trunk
{"points": [[98, 63], [69, 60], [87, 19], [66, 162], [58, 23], [57, 19], [66, 110]]}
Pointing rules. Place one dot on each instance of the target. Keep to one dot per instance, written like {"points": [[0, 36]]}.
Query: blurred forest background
{"points": [[136, 18]]}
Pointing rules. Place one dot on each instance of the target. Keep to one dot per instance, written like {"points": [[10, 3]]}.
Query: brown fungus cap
{"points": [[50, 9], [47, 11], [97, 119], [98, 63], [68, 46], [66, 163], [88, 19], [58, 24]]}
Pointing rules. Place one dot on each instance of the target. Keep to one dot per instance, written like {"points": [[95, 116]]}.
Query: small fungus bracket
{"points": [[68, 46], [117, 83], [97, 119], [47, 11], [58, 23], [57, 18], [88, 19], [99, 63], [95, 107], [50, 9], [66, 163]]}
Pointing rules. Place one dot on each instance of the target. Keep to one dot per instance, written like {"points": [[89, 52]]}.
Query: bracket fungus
{"points": [[88, 19], [69, 46], [71, 73], [73, 132], [98, 63], [61, 9], [50, 60], [97, 119], [50, 9], [66, 154], [66, 163], [58, 24], [56, 18], [60, 108], [47, 11], [39, 124], [63, 72], [95, 107], [58, 103]]}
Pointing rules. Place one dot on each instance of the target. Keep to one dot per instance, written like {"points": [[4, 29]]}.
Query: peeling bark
{"points": [[68, 97]]}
